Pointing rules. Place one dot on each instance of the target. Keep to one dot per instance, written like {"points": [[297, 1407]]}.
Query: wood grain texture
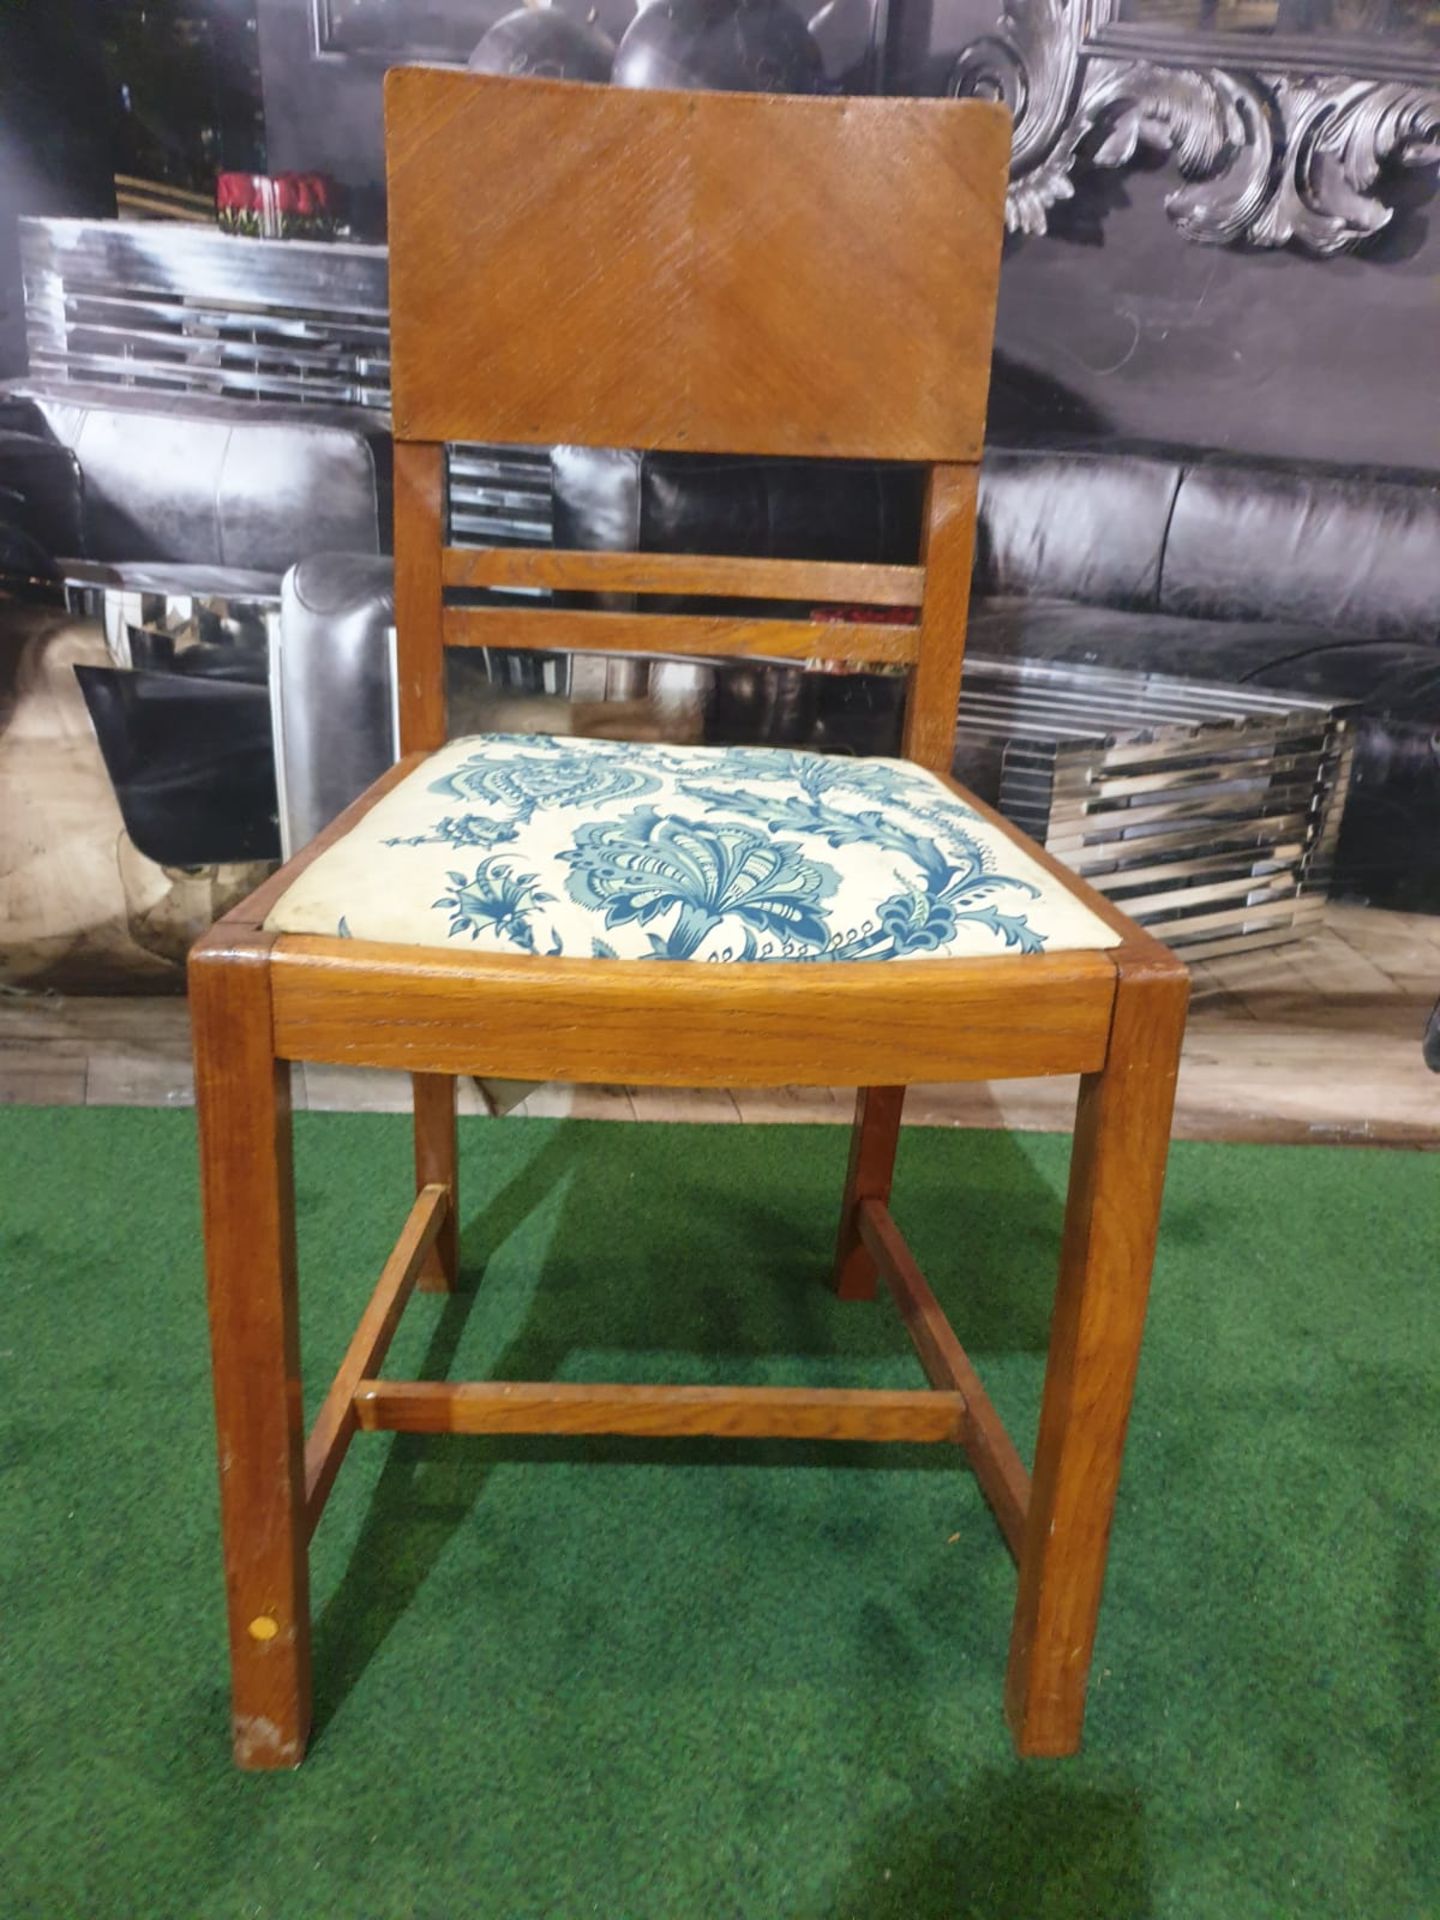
{"points": [[247, 1187], [947, 548], [727, 1413], [671, 1023], [874, 1138], [577, 630], [334, 1427], [719, 272], [437, 1164], [1111, 1221], [734, 576], [998, 1467], [419, 645]]}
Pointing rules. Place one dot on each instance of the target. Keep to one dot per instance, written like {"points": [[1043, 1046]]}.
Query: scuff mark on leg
{"points": [[260, 1743]]}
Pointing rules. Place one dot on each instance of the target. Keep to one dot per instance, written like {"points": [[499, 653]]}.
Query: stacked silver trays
{"points": [[1208, 812], [183, 309]]}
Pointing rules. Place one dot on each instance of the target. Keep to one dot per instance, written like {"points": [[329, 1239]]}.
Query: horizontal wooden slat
{"points": [[998, 1467], [335, 1423], [680, 1024], [729, 1413], [729, 575], [572, 630]]}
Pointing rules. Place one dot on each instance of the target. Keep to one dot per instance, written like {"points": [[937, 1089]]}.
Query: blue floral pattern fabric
{"points": [[597, 849]]}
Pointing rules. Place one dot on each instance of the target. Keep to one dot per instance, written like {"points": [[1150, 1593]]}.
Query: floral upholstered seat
{"points": [[593, 849]]}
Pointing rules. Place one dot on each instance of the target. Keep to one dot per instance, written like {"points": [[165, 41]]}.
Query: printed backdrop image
{"points": [[1213, 454]]}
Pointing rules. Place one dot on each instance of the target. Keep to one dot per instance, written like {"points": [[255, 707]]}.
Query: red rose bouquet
{"points": [[277, 206]]}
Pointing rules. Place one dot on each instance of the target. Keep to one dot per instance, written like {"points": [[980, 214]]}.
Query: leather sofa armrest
{"points": [[331, 688]]}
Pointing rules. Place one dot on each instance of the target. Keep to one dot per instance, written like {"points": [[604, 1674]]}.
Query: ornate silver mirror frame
{"points": [[1279, 140]]}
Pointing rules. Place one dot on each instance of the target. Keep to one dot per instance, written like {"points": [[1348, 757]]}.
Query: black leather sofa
{"points": [[166, 492], [175, 497], [1311, 579], [1319, 580]]}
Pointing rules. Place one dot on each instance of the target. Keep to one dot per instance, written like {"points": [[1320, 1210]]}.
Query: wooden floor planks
{"points": [[1318, 1041]]}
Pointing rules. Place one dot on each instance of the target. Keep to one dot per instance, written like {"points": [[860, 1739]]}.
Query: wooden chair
{"points": [[723, 274]]}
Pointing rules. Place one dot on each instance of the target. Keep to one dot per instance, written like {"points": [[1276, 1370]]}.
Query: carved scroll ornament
{"points": [[1267, 159]]}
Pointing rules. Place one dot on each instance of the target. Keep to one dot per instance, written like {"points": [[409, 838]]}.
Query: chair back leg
{"points": [[873, 1142], [435, 1166]]}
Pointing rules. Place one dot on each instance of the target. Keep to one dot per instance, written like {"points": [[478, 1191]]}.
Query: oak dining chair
{"points": [[722, 274]]}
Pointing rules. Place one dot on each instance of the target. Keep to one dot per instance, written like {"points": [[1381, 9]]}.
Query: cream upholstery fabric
{"points": [[505, 843]]}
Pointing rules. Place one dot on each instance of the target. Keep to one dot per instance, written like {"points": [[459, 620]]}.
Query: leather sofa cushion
{"points": [[216, 484], [1087, 526], [596, 498], [791, 509], [1350, 553], [698, 503]]}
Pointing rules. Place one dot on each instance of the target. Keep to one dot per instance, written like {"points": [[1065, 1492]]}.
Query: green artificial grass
{"points": [[627, 1680]]}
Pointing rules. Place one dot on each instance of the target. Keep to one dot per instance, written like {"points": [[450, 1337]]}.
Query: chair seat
{"points": [[597, 849]]}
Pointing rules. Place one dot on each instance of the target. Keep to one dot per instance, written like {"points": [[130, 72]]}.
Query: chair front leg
{"points": [[873, 1143], [243, 1099], [1117, 1170], [436, 1161]]}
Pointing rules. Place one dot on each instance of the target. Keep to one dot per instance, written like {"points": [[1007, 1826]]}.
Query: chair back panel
{"points": [[689, 272], [710, 272]]}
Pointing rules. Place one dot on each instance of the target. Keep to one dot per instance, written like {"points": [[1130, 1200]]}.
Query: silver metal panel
{"points": [[183, 309], [499, 496], [1210, 813]]}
